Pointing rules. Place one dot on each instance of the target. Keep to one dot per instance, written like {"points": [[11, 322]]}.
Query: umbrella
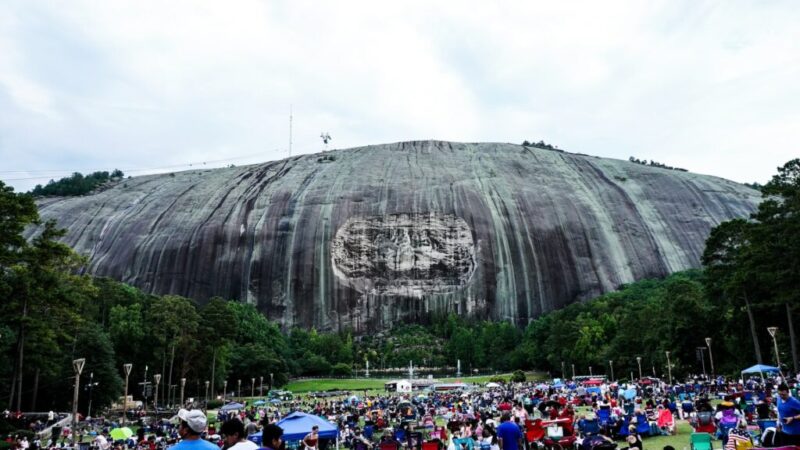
{"points": [[275, 401], [119, 434], [259, 402], [492, 385]]}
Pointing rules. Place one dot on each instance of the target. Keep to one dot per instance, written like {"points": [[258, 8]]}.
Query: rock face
{"points": [[367, 237]]}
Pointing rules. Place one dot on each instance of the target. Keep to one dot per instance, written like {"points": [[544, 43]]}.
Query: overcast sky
{"points": [[90, 85]]}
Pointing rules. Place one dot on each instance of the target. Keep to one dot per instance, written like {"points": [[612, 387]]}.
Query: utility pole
{"points": [[127, 367], [77, 366]]}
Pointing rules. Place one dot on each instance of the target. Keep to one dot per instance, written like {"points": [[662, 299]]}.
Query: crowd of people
{"points": [[591, 415]]}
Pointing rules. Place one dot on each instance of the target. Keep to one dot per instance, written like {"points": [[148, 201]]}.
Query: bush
{"points": [[518, 376], [341, 369], [498, 379]]}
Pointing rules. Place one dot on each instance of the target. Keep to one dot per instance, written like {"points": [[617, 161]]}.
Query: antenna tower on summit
{"points": [[326, 137]]}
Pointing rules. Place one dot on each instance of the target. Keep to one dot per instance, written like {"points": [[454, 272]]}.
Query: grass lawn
{"points": [[373, 384]]}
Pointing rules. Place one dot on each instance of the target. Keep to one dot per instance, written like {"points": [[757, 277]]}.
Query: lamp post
{"points": [[611, 365], [127, 368], [91, 387], [206, 405], [157, 380], [239, 389], [261, 388], [639, 361], [710, 355], [772, 332], [563, 372], [271, 380], [252, 387], [183, 385], [702, 351], [77, 366], [669, 368], [144, 389], [224, 390]]}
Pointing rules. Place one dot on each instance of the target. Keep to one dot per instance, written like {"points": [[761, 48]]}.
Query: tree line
{"points": [[76, 184]]}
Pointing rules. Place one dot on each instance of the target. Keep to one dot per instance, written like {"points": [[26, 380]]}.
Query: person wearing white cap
{"points": [[192, 425]]}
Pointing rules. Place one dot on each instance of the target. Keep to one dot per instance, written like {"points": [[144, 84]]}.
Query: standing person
{"points": [[509, 436], [235, 436], [193, 424], [271, 437], [311, 441], [788, 417]]}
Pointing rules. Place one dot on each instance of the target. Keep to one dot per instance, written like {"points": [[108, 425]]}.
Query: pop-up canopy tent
{"points": [[297, 425], [761, 369], [233, 406]]}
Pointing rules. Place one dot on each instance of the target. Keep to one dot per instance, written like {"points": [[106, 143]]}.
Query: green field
{"points": [[375, 384]]}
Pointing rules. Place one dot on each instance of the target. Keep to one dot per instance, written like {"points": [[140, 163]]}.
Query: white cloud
{"points": [[705, 85]]}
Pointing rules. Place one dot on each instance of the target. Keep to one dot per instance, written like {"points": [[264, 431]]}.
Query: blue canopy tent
{"points": [[233, 406], [761, 369], [297, 425]]}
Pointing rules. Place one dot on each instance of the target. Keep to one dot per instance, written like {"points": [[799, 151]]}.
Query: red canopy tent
{"points": [[593, 382]]}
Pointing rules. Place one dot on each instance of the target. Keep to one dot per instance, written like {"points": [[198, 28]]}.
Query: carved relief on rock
{"points": [[404, 254]]}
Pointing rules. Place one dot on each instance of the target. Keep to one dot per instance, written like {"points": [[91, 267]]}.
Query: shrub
{"points": [[341, 369], [518, 376], [498, 379]]}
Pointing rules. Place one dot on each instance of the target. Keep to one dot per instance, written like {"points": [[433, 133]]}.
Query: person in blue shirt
{"points": [[508, 434], [192, 425], [788, 417]]}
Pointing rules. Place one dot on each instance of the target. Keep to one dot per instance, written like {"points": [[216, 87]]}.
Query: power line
{"points": [[56, 172]]}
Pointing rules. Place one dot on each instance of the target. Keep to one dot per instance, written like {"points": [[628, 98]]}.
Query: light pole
{"points": [[239, 389], [183, 385], [261, 387], [206, 405], [611, 365], [573, 371], [77, 366], [127, 368], [563, 372], [702, 351], [639, 361], [710, 355], [91, 387], [669, 368], [772, 332], [157, 379], [271, 380], [252, 387], [224, 390], [144, 389]]}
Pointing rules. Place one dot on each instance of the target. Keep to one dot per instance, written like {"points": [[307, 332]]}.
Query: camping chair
{"points": [[463, 444], [642, 425], [415, 440], [700, 441], [604, 417], [389, 445], [430, 445], [590, 427], [623, 427]]}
